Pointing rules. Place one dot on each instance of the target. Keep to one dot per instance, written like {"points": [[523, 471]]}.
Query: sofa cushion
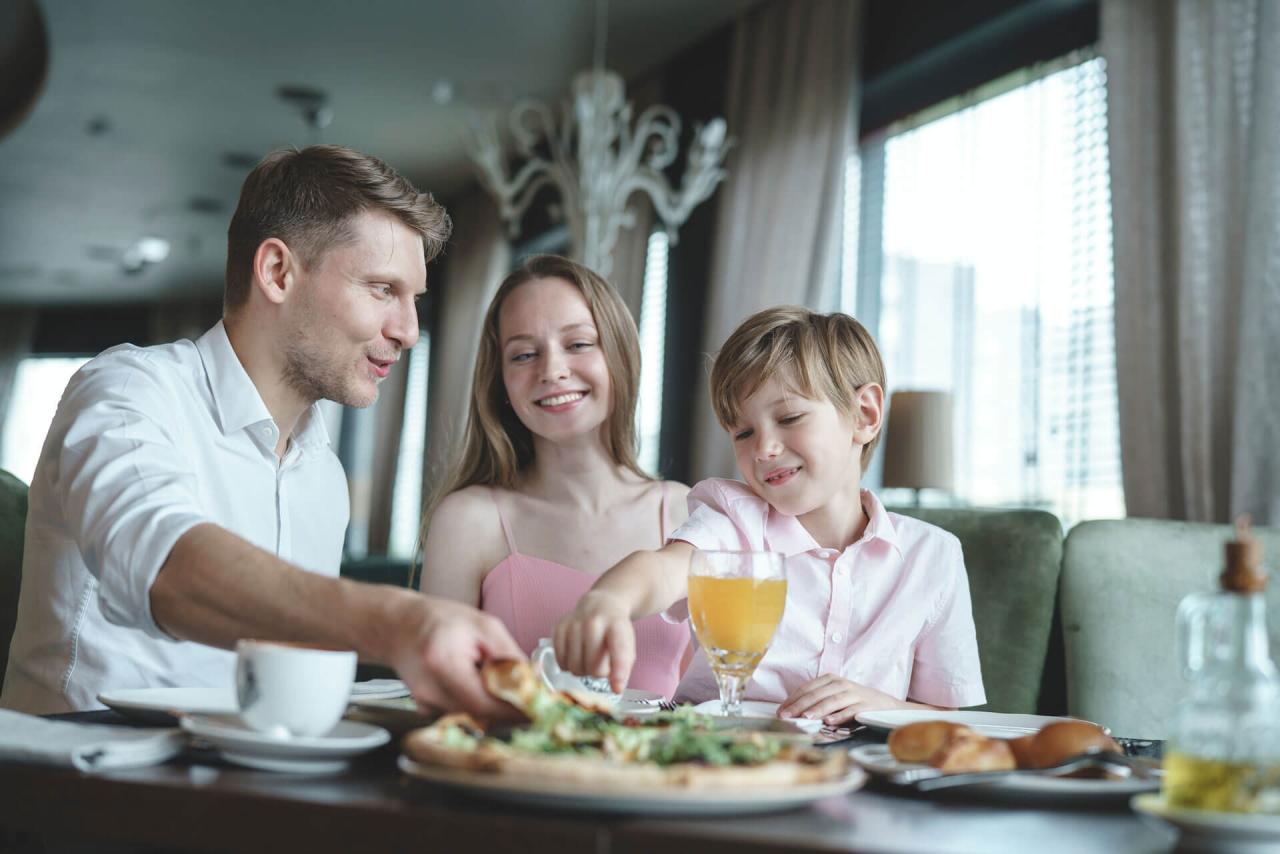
{"points": [[1121, 585], [1013, 559], [13, 519]]}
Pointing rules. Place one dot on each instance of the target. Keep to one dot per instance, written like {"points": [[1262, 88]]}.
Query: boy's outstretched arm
{"points": [[596, 638]]}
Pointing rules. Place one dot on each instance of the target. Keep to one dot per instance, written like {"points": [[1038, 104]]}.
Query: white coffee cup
{"points": [[292, 689]]}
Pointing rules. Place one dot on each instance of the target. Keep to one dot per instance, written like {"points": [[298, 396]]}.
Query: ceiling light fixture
{"points": [[312, 103], [146, 250], [597, 161]]}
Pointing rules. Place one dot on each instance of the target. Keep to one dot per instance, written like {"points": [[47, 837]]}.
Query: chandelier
{"points": [[597, 161]]}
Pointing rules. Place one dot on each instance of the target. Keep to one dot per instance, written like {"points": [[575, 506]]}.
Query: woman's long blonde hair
{"points": [[497, 447]]}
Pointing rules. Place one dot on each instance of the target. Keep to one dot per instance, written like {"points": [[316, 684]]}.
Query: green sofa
{"points": [[1013, 558], [13, 518], [1121, 585]]}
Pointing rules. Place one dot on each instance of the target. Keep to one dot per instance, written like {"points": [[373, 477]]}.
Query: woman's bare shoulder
{"points": [[469, 505], [676, 489], [466, 522]]}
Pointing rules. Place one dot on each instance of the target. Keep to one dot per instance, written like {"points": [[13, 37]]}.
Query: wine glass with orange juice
{"points": [[735, 602]]}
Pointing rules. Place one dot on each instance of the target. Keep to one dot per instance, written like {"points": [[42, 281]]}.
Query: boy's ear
{"points": [[868, 412]]}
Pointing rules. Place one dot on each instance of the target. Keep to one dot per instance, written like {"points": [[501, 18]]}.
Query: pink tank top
{"points": [[530, 595]]}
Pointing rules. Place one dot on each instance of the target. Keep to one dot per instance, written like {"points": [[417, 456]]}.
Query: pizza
{"points": [[573, 738]]}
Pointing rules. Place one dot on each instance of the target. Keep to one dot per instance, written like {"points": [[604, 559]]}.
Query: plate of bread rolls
{"points": [[991, 724], [943, 747]]}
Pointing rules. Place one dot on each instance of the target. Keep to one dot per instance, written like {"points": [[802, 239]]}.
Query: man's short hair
{"points": [[307, 199], [815, 355]]}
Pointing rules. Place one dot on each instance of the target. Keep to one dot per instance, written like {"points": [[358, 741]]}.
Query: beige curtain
{"points": [[629, 254], [1194, 118], [792, 93], [474, 267], [388, 425], [632, 247]]}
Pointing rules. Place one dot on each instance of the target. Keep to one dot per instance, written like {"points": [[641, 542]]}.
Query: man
{"points": [[187, 495]]}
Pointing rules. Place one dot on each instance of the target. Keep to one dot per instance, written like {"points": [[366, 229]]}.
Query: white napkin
{"points": [[87, 747]]}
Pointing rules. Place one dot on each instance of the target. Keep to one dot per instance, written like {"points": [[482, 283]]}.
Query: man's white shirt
{"points": [[146, 444]]}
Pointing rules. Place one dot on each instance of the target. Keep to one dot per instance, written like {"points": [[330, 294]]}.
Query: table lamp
{"points": [[918, 442]]}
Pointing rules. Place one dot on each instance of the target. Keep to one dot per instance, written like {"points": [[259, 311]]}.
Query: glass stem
{"points": [[731, 685]]}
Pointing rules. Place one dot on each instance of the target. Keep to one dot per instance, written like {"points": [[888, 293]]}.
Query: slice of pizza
{"points": [[573, 740]]}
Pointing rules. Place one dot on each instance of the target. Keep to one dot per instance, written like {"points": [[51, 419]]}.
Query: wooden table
{"points": [[200, 803]]}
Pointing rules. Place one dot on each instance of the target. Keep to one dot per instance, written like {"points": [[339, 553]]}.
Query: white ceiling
{"points": [[179, 83]]}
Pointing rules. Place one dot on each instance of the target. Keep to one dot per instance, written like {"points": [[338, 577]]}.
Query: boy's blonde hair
{"points": [[815, 355]]}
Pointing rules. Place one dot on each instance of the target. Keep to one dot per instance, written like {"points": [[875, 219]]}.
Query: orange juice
{"points": [[736, 615]]}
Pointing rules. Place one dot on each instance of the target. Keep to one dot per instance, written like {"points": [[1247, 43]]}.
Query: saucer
{"points": [[162, 705], [320, 754], [1207, 830]]}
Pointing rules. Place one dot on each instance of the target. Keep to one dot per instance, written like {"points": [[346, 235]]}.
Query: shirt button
{"points": [[836, 637]]}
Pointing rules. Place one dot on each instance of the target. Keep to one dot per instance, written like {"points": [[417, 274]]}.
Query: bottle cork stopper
{"points": [[1243, 572]]}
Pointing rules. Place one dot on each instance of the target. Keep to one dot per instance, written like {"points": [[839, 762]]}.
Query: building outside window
{"points": [[37, 388], [982, 263], [653, 324]]}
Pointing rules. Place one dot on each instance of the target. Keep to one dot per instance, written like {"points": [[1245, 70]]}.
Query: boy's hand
{"points": [[596, 638], [835, 701]]}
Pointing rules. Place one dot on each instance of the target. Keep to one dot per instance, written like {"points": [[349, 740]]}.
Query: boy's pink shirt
{"points": [[891, 611]]}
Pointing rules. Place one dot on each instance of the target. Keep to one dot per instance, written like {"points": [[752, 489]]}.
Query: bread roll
{"points": [[962, 755], [1061, 740], [918, 742], [1023, 749]]}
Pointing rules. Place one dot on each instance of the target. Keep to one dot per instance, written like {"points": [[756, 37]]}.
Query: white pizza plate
{"points": [[877, 760], [160, 703], [1207, 830], [295, 754], [588, 797], [990, 724], [759, 709]]}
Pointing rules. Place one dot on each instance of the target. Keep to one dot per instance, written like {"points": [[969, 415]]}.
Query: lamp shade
{"points": [[918, 441]]}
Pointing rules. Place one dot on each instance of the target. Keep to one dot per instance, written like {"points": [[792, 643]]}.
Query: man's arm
{"points": [[215, 588]]}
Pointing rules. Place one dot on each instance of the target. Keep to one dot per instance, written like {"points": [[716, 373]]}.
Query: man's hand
{"points": [[437, 647], [596, 638], [835, 701]]}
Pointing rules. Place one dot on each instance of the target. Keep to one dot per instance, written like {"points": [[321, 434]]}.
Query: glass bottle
{"points": [[1224, 751]]}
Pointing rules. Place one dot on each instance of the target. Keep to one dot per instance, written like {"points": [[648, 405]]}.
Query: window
{"points": [[653, 323], [37, 388], [984, 268], [406, 498]]}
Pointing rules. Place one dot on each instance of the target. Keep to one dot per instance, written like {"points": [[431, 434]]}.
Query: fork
{"points": [[931, 779], [667, 706]]}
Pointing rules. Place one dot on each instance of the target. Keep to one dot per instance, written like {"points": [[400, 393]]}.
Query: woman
{"points": [[547, 493]]}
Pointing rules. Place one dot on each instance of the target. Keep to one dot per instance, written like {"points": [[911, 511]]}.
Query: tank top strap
{"points": [[506, 529]]}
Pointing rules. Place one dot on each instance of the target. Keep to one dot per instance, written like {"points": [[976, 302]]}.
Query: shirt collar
{"points": [[236, 400], [879, 522], [311, 432], [788, 536]]}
